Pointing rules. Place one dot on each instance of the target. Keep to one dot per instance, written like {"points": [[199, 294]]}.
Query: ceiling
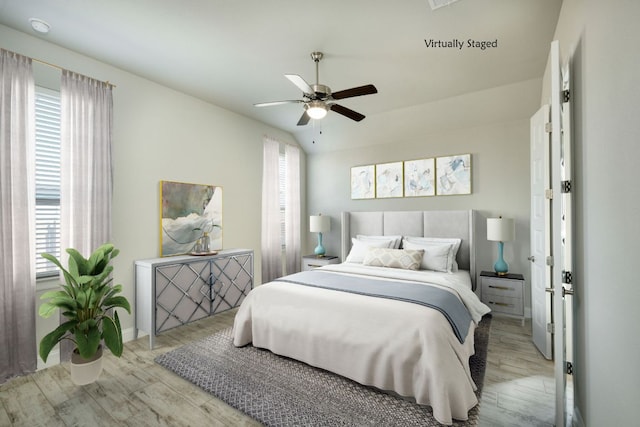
{"points": [[235, 53]]}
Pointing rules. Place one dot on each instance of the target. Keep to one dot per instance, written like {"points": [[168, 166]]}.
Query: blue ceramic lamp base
{"points": [[501, 267], [319, 251]]}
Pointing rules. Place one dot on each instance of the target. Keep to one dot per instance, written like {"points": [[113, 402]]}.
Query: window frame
{"points": [[47, 180]]}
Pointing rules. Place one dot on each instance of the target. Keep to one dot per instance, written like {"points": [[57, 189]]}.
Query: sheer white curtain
{"points": [[87, 177], [292, 209], [271, 240], [18, 350]]}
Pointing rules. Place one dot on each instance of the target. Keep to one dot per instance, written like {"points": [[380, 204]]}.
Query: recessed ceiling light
{"points": [[437, 4], [39, 25]]}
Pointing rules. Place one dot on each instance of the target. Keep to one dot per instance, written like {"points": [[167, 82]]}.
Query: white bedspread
{"points": [[393, 345]]}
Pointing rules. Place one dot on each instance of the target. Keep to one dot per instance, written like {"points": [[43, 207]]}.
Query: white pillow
{"points": [[437, 256], [359, 249], [395, 258], [454, 250], [396, 239]]}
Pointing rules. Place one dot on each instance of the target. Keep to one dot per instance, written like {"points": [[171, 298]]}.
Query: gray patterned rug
{"points": [[278, 391]]}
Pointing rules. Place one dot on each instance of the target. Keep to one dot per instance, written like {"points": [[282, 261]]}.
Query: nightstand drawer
{"points": [[503, 294], [502, 287], [501, 304], [309, 262]]}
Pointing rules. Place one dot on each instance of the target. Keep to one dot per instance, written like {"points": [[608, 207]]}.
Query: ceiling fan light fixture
{"points": [[317, 110]]}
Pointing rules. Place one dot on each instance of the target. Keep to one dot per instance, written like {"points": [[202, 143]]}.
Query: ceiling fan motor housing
{"points": [[321, 91]]}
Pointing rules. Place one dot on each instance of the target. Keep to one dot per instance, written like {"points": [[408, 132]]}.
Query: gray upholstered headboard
{"points": [[458, 224]]}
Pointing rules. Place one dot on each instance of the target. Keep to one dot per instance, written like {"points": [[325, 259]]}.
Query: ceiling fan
{"points": [[318, 99]]}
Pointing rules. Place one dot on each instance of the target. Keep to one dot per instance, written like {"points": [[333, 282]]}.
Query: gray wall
{"points": [[499, 157], [600, 41], [160, 134]]}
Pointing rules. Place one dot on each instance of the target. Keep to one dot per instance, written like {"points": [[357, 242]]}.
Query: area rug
{"points": [[278, 391]]}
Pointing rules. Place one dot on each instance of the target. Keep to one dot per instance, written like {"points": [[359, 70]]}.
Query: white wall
{"points": [[599, 39], [500, 166], [160, 134]]}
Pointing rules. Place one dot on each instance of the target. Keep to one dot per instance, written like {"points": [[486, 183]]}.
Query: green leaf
{"points": [[54, 293], [52, 338], [88, 343], [118, 301], [78, 265], [46, 310], [112, 334]]}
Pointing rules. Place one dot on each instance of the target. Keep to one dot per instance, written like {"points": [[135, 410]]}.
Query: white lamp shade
{"points": [[501, 229], [319, 223]]}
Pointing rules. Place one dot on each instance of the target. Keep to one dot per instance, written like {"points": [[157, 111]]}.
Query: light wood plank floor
{"points": [[134, 391]]}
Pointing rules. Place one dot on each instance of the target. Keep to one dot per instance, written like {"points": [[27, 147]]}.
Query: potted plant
{"points": [[86, 300]]}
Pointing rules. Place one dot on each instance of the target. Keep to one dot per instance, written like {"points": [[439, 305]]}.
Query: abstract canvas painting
{"points": [[453, 175], [363, 182], [389, 180], [187, 212], [419, 178]]}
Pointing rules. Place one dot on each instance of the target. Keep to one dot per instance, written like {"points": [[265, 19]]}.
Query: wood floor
{"points": [[134, 391]]}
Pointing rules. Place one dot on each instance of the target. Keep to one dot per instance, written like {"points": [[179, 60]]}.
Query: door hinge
{"points": [[547, 127], [566, 277], [565, 186], [549, 261], [548, 193], [551, 328], [566, 95], [569, 368]]}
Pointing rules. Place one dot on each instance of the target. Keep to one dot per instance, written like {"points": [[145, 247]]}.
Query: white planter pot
{"points": [[85, 371]]}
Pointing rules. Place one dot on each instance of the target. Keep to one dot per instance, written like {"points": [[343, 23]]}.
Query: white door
{"points": [[561, 231], [540, 232]]}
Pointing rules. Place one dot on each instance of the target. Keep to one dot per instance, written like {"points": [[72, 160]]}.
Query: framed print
{"points": [[389, 180], [453, 175], [363, 182], [419, 178], [188, 211]]}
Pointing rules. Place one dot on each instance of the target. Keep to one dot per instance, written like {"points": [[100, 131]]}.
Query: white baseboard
{"points": [[52, 360], [128, 335], [577, 420]]}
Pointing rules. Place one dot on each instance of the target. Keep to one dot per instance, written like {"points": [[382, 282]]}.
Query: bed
{"points": [[392, 324]]}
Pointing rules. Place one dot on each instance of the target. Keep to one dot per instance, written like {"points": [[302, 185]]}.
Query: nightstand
{"points": [[503, 294], [309, 262]]}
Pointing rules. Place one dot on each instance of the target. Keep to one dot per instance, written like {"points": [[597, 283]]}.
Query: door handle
{"points": [[532, 258], [550, 290], [566, 291]]}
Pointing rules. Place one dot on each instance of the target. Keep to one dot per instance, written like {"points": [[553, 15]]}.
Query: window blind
{"points": [[47, 124]]}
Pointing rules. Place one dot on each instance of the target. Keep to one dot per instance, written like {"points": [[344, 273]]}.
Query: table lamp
{"points": [[500, 230], [319, 224]]}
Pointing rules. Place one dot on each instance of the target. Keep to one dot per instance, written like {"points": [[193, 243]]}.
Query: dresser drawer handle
{"points": [[503, 304], [314, 265], [503, 288]]}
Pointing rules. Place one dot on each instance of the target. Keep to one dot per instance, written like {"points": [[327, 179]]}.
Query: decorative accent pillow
{"points": [[394, 258], [453, 264], [359, 249], [437, 256], [396, 239]]}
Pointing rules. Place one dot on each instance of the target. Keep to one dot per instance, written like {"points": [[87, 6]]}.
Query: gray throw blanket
{"points": [[414, 292]]}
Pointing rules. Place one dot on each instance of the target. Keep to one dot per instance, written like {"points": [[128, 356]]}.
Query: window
{"points": [[47, 123]]}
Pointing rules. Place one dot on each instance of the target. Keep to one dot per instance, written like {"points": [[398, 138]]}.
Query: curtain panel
{"points": [[87, 174], [280, 210], [292, 209], [18, 349], [271, 249]]}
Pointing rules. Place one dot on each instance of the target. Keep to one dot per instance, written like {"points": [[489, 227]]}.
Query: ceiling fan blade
{"points": [[353, 115], [355, 91], [300, 82], [304, 119], [269, 104]]}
